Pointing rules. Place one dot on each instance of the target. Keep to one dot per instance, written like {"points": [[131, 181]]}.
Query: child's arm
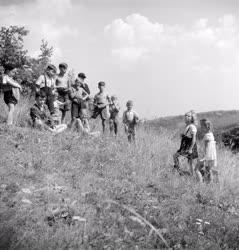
{"points": [[85, 95], [8, 80]]}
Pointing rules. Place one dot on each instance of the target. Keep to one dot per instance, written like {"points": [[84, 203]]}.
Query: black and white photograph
{"points": [[119, 124]]}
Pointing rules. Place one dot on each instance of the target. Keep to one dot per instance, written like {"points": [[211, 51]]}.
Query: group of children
{"points": [[203, 168], [56, 95]]}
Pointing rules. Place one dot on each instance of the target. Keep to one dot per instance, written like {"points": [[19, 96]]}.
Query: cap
{"points": [[63, 65], [51, 67], [82, 75], [101, 83]]}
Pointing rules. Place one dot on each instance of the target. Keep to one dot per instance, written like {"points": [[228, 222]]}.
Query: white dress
{"points": [[210, 150]]}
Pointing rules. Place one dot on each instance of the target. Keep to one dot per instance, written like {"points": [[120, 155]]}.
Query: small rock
{"points": [[26, 190], [78, 218], [26, 201]]}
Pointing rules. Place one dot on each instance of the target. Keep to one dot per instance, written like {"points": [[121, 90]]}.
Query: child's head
{"points": [[208, 125], [40, 98], [51, 70], [191, 117], [9, 70], [129, 105], [81, 77], [101, 86], [113, 98], [63, 68]]}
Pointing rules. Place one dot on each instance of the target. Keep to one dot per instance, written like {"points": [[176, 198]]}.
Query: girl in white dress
{"points": [[209, 160]]}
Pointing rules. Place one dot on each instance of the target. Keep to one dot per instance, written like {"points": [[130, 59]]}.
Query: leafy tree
{"points": [[11, 46]]}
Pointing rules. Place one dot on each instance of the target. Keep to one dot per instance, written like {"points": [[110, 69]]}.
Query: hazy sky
{"points": [[169, 56]]}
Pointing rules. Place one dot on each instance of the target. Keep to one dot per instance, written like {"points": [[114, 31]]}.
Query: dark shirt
{"points": [[42, 114], [86, 88]]}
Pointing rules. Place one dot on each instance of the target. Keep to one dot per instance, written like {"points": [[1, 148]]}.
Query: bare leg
{"points": [[103, 125], [63, 115], [11, 108], [192, 166]]}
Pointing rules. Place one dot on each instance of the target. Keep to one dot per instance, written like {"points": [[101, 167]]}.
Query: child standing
{"points": [[130, 120], [63, 87], [209, 160], [10, 91], [78, 95], [101, 103], [114, 109], [188, 147]]}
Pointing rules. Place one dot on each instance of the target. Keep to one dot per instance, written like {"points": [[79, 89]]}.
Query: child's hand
{"points": [[190, 151]]}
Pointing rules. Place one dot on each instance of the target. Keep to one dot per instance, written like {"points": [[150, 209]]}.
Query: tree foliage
{"points": [[11, 46]]}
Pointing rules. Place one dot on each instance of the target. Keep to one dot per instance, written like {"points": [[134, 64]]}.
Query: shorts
{"points": [[63, 96], [9, 98], [77, 111], [103, 112]]}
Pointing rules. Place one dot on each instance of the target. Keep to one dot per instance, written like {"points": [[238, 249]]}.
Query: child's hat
{"points": [[51, 67], [63, 65], [82, 75], [101, 84]]}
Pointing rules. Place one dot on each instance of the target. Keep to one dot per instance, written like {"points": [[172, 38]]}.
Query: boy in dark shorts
{"points": [[114, 109], [47, 83], [63, 87], [130, 120], [101, 104]]}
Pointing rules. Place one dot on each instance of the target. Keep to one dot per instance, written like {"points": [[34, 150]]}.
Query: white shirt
{"points": [[190, 130], [45, 80], [62, 81]]}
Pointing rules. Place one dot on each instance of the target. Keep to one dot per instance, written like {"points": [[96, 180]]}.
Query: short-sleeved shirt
{"points": [[210, 149], [130, 117], [46, 81], [190, 130], [7, 82], [101, 98], [62, 81]]}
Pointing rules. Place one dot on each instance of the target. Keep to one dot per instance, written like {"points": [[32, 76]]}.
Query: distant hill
{"points": [[222, 120]]}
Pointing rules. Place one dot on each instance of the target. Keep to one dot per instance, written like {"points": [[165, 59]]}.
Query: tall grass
{"points": [[79, 176]]}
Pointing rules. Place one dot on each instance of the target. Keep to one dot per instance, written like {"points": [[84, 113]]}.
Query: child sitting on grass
{"points": [[209, 161], [130, 120], [114, 109], [188, 147], [40, 115], [101, 103]]}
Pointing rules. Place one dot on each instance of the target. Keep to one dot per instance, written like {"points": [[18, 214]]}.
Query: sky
{"points": [[168, 56]]}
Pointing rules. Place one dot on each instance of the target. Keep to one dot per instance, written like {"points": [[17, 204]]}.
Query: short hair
{"points": [[114, 97], [63, 65], [101, 83], [40, 94], [129, 103], [82, 75], [193, 116]]}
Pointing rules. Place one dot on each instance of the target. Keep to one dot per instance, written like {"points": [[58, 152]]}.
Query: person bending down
{"points": [[40, 115]]}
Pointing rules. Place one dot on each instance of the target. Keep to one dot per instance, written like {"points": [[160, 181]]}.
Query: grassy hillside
{"points": [[71, 192], [221, 120]]}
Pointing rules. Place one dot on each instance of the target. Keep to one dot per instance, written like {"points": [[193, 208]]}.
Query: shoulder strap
{"points": [[45, 80]]}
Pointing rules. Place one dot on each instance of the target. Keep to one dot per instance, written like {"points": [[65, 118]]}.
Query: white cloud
{"points": [[201, 47]]}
